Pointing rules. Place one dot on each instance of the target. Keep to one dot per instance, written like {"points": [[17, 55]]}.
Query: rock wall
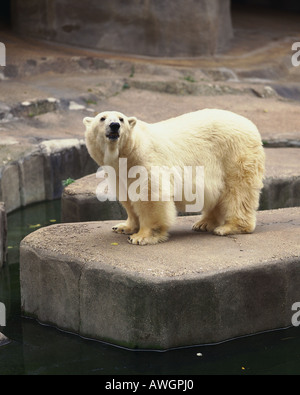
{"points": [[3, 234], [36, 174], [144, 27]]}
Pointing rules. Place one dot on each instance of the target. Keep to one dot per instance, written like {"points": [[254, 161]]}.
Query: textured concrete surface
{"points": [[281, 189], [195, 288]]}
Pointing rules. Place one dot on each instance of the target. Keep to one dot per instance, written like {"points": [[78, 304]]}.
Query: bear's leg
{"points": [[240, 199], [155, 219], [239, 208], [210, 219], [132, 223]]}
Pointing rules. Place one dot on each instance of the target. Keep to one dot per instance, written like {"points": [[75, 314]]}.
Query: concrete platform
{"points": [[281, 189], [195, 288], [79, 203]]}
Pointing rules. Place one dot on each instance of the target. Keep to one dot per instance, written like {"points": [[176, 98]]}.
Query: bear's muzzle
{"points": [[114, 131]]}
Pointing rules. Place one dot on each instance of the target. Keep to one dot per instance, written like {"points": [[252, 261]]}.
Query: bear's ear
{"points": [[87, 121], [132, 121]]}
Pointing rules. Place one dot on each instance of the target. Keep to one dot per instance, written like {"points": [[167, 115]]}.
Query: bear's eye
{"points": [[102, 119], [121, 119]]}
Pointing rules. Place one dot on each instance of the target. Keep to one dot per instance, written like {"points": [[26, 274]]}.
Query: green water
{"points": [[36, 349]]}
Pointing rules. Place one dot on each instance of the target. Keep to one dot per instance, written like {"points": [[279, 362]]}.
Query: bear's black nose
{"points": [[114, 126]]}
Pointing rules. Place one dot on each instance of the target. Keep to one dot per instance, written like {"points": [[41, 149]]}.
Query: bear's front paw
{"points": [[123, 228], [203, 226], [144, 239], [135, 239]]}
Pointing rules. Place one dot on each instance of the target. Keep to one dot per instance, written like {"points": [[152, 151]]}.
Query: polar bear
{"points": [[227, 145]]}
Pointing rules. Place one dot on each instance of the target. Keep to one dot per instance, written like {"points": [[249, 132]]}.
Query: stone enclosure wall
{"points": [[170, 28], [3, 234]]}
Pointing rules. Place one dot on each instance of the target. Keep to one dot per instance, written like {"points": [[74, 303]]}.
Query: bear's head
{"points": [[109, 125], [107, 130]]}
